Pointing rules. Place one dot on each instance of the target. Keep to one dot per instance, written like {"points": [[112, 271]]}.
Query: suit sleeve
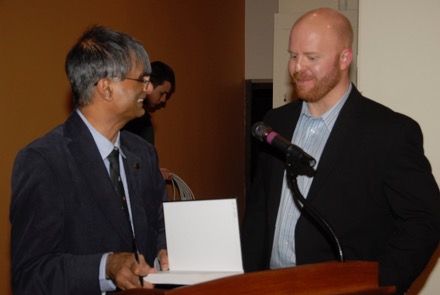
{"points": [[414, 200], [37, 216], [162, 192], [254, 229]]}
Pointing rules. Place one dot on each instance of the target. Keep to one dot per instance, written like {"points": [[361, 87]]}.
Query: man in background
{"points": [[164, 84], [373, 184], [81, 224]]}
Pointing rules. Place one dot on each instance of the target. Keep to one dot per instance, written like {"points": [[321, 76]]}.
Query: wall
{"points": [[398, 66], [259, 38], [199, 135]]}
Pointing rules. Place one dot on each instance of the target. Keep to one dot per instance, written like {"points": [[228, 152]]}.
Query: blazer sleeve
{"points": [[254, 230], [414, 200], [37, 215]]}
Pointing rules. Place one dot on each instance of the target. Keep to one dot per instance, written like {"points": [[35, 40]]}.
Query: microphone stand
{"points": [[294, 169]]}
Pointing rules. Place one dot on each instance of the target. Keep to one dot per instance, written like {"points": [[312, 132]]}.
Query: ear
{"points": [[104, 89], [345, 58]]}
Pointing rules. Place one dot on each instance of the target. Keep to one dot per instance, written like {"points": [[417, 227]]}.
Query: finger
{"points": [[164, 265], [125, 280], [142, 268], [147, 284], [163, 259]]}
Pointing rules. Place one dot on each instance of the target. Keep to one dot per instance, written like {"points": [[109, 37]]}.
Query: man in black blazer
{"points": [[70, 234], [373, 184]]}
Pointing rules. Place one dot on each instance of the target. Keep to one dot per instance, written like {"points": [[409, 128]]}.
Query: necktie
{"points": [[119, 188], [116, 179]]}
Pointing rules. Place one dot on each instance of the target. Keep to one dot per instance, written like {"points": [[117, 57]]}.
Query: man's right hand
{"points": [[125, 271]]}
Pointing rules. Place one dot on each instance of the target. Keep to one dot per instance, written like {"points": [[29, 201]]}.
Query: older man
{"points": [[81, 224]]}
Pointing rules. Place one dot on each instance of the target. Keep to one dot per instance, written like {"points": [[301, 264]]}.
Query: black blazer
{"points": [[373, 185], [65, 213]]}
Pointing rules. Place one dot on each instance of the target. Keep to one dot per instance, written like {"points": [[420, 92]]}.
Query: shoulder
{"points": [[53, 140], [135, 143], [374, 112], [284, 112]]}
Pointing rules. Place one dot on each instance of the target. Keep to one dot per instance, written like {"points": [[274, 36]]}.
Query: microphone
{"points": [[262, 132], [304, 162]]}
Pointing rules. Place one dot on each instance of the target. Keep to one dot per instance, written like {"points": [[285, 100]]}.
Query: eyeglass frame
{"points": [[140, 80]]}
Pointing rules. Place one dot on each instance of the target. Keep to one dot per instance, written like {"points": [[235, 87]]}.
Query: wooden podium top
{"points": [[342, 278]]}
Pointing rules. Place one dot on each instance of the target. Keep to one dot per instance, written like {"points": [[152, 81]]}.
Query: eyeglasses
{"points": [[140, 80]]}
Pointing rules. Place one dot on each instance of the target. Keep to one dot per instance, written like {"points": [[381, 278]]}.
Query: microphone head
{"points": [[260, 131]]}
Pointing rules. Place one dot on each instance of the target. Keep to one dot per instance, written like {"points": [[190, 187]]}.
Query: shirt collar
{"points": [[105, 146], [330, 116]]}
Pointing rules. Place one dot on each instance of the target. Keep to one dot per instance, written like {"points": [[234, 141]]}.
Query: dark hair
{"points": [[161, 72], [100, 53]]}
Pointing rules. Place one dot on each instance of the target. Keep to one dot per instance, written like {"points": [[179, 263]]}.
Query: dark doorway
{"points": [[258, 102]]}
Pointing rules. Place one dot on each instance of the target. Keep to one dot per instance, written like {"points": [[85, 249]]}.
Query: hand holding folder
{"points": [[203, 242]]}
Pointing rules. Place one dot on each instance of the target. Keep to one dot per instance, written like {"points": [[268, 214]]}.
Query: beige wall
{"points": [[199, 135], [259, 38]]}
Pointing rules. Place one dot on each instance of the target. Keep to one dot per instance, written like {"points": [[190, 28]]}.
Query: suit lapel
{"points": [[95, 175], [134, 182], [278, 123], [343, 131]]}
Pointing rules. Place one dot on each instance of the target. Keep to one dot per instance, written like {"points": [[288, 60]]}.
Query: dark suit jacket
{"points": [[65, 213], [142, 126], [373, 185]]}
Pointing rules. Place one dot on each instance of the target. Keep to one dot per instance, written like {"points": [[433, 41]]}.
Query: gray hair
{"points": [[101, 53]]}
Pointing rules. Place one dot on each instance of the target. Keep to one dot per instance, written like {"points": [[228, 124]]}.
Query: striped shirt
{"points": [[311, 134]]}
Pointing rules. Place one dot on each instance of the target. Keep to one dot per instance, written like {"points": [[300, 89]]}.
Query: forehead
{"points": [[165, 86], [312, 37]]}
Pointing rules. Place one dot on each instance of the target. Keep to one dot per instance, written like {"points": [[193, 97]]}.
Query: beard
{"points": [[322, 86]]}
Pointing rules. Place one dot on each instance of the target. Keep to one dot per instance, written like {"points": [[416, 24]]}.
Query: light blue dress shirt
{"points": [[311, 134], [105, 147]]}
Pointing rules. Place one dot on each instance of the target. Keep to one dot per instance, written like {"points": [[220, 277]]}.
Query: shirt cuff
{"points": [[105, 284], [157, 264]]}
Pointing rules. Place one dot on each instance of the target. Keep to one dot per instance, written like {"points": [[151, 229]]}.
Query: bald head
{"points": [[328, 21], [320, 56]]}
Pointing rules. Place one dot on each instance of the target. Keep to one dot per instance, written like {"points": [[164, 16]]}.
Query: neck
{"points": [[320, 107], [106, 125]]}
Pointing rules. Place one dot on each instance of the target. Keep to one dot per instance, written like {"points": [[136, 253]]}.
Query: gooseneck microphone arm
{"points": [[292, 172], [297, 162]]}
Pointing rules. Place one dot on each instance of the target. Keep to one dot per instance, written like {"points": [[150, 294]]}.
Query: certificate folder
{"points": [[203, 241]]}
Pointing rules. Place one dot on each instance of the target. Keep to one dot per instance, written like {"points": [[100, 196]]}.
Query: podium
{"points": [[342, 278]]}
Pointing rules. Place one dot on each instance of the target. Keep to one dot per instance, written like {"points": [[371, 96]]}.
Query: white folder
{"points": [[203, 241]]}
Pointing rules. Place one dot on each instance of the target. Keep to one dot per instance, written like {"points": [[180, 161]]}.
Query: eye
{"points": [[293, 56]]}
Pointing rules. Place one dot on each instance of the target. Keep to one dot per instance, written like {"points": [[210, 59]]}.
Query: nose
{"points": [[296, 65], [148, 88], [299, 64]]}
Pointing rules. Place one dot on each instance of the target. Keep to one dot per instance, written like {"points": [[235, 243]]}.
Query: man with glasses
{"points": [[164, 84], [77, 227]]}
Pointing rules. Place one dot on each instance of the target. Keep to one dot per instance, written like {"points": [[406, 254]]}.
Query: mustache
{"points": [[302, 76]]}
